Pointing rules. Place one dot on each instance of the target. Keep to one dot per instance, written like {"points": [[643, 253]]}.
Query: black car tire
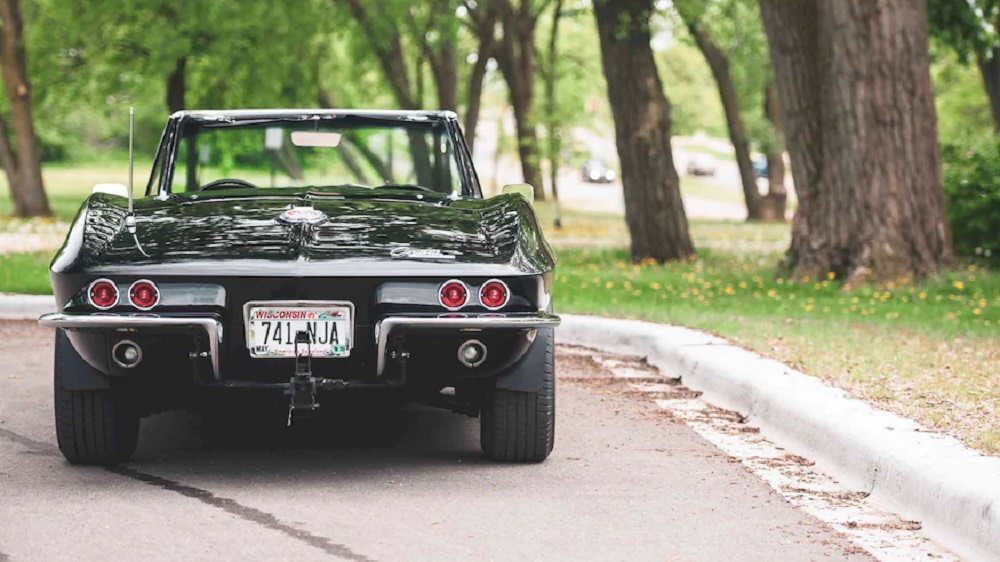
{"points": [[521, 426], [92, 426]]}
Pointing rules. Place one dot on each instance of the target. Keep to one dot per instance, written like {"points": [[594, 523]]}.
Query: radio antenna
{"points": [[131, 135]]}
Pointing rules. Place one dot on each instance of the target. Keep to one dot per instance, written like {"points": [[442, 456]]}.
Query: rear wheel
{"points": [[520, 426], [92, 426]]}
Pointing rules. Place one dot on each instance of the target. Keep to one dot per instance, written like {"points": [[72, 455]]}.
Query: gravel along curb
{"points": [[953, 490], [25, 307]]}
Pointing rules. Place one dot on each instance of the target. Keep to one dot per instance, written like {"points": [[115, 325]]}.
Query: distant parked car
{"points": [[701, 165], [596, 171], [760, 169]]}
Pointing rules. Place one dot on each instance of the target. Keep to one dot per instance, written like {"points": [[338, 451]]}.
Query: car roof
{"points": [[214, 115]]}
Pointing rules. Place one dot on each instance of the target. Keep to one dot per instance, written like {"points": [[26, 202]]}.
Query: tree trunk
{"points": [[854, 82], [22, 163], [773, 204], [719, 63], [485, 31], [177, 86], [989, 70], [517, 60], [552, 126], [654, 210]]}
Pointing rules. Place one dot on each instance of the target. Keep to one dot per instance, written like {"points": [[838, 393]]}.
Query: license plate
{"points": [[271, 329]]}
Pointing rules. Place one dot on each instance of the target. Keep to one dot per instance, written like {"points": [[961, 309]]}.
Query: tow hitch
{"points": [[303, 385]]}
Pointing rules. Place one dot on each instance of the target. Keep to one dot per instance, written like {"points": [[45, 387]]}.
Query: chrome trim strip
{"points": [[385, 327], [250, 304], [211, 326]]}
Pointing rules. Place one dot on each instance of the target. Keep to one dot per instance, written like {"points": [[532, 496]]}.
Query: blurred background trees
{"points": [[566, 81]]}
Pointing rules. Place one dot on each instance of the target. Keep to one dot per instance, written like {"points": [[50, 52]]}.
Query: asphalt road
{"points": [[624, 483]]}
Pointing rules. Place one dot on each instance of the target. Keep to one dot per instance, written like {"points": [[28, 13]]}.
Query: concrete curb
{"points": [[953, 490], [25, 307]]}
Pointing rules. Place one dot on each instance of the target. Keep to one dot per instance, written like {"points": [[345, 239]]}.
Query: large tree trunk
{"points": [[654, 210], [719, 63], [772, 205], [854, 83], [22, 162], [517, 59]]}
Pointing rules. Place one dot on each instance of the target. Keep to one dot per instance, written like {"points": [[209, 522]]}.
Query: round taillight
{"points": [[103, 294], [453, 294], [144, 295], [494, 294]]}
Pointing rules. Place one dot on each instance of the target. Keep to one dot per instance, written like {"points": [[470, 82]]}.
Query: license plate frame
{"points": [[317, 352]]}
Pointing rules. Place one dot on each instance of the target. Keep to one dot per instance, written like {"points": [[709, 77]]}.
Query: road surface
{"points": [[625, 482]]}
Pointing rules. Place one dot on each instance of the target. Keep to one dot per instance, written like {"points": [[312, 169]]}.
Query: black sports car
{"points": [[305, 253]]}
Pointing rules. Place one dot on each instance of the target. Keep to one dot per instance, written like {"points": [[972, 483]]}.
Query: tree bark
{"points": [[654, 209], [853, 78], [553, 133], [517, 59], [22, 162], [989, 70], [774, 203], [484, 28], [719, 64], [177, 86]]}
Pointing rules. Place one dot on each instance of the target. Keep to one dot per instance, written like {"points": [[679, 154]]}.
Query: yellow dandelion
{"points": [[959, 285], [922, 296], [772, 293], [809, 308], [743, 284], [831, 276], [609, 285], [977, 311], [972, 267], [655, 286]]}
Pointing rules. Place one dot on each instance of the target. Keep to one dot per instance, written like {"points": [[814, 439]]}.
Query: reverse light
{"points": [[143, 294], [453, 294], [103, 294], [494, 294]]}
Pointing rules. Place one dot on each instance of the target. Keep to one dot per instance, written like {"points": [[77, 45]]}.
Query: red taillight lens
{"points": [[144, 295], [494, 294], [453, 295], [103, 294]]}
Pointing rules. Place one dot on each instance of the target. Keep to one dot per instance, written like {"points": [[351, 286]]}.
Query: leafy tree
{"points": [[729, 35], [972, 29], [21, 160], [654, 210]]}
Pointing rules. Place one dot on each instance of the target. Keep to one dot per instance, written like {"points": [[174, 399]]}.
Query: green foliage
{"points": [[967, 26], [962, 106], [972, 187], [694, 98]]}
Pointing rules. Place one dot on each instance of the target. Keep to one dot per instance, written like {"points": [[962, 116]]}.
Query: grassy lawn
{"points": [[928, 351], [25, 273]]}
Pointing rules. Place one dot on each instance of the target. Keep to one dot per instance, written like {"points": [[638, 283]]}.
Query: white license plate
{"points": [[271, 330]]}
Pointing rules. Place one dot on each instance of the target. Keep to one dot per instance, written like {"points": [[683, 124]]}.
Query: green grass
{"points": [[928, 351], [25, 273]]}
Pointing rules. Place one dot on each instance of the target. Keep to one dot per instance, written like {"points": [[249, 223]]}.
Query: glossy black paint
{"points": [[211, 252]]}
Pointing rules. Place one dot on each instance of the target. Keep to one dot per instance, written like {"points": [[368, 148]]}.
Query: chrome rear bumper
{"points": [[462, 323], [126, 323]]}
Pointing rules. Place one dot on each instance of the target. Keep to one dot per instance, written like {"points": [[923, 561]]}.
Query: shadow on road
{"points": [[349, 441]]}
